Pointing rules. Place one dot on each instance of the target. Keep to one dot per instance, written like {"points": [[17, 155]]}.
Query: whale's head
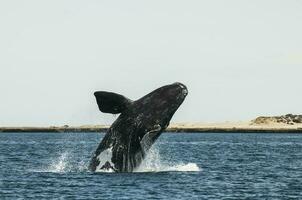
{"points": [[157, 108]]}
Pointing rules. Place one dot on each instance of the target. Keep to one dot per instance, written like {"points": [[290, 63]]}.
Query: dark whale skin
{"points": [[140, 123]]}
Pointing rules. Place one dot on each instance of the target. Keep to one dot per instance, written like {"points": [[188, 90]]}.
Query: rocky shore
{"points": [[277, 124], [289, 119]]}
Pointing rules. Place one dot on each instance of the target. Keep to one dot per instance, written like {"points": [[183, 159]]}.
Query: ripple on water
{"points": [[234, 166]]}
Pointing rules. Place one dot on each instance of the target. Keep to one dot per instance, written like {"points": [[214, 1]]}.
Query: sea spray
{"points": [[59, 165], [65, 162], [154, 163]]}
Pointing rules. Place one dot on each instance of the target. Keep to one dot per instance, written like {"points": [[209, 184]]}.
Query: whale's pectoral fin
{"points": [[149, 138], [109, 102]]}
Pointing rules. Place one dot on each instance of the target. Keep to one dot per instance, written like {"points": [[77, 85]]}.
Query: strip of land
{"points": [[235, 127], [277, 124], [226, 127]]}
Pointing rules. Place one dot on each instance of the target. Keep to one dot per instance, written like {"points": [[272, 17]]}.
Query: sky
{"points": [[239, 59]]}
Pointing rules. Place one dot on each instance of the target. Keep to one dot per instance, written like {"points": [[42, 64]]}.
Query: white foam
{"points": [[64, 163], [82, 166], [105, 170], [60, 164], [154, 163], [189, 167]]}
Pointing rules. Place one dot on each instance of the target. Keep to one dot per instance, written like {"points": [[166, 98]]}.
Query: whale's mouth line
{"points": [[183, 88], [185, 92]]}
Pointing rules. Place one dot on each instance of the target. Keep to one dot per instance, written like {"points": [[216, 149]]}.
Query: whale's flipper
{"points": [[149, 138], [109, 102]]}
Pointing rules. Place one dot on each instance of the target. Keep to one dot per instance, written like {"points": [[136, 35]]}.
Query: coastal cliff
{"points": [[289, 119]]}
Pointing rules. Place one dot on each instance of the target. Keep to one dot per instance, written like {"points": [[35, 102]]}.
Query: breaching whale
{"points": [[139, 124]]}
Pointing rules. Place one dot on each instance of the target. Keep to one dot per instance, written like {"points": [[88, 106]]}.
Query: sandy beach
{"points": [[234, 127], [241, 127]]}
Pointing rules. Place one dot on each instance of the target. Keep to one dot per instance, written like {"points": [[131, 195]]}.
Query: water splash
{"points": [[59, 165], [154, 163], [104, 170], [65, 163]]}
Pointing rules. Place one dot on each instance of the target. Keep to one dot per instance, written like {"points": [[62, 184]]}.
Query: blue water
{"points": [[180, 166]]}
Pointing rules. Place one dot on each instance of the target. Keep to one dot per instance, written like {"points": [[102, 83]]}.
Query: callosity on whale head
{"points": [[139, 124]]}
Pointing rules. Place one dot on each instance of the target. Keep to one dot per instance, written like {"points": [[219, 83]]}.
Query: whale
{"points": [[138, 125]]}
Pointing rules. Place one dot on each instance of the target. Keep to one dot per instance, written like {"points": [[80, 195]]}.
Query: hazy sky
{"points": [[239, 59]]}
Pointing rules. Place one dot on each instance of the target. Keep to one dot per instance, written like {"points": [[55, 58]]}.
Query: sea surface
{"points": [[179, 166]]}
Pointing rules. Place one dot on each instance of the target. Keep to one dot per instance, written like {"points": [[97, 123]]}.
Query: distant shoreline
{"points": [[273, 124], [227, 127]]}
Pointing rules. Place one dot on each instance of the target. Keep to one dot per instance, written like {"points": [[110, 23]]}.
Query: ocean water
{"points": [[179, 166]]}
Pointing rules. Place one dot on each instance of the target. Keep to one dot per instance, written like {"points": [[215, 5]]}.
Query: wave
{"points": [[152, 163]]}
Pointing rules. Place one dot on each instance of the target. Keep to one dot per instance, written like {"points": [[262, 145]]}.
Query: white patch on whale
{"points": [[103, 157]]}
